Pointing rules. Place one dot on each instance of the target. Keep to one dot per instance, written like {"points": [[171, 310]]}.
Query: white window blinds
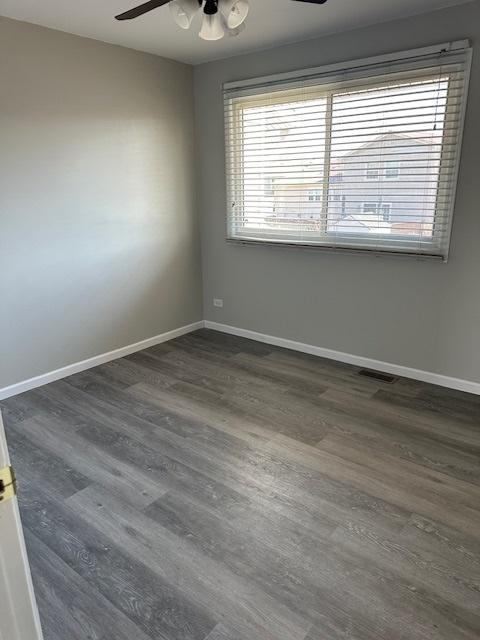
{"points": [[357, 156]]}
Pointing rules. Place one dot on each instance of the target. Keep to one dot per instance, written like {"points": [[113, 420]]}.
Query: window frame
{"points": [[329, 91]]}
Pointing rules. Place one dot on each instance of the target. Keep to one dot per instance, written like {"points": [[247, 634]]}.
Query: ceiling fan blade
{"points": [[312, 1], [143, 8]]}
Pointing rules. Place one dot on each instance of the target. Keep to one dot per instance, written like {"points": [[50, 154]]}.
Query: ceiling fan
{"points": [[218, 15]]}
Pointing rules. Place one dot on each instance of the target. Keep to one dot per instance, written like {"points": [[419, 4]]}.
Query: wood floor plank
{"points": [[134, 486], [334, 375], [286, 575], [222, 374], [287, 376], [447, 484], [42, 466], [70, 606], [47, 400], [412, 446], [157, 607], [181, 400], [170, 472], [381, 479], [224, 343], [468, 413], [86, 408], [17, 408], [224, 632], [426, 570], [256, 471], [215, 488], [441, 427], [460, 552], [208, 583], [220, 459], [123, 373]]}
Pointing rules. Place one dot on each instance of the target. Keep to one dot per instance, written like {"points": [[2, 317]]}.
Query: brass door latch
{"points": [[8, 487]]}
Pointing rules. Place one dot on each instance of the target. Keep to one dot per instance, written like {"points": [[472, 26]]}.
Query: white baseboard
{"points": [[359, 361], [76, 367], [340, 356]]}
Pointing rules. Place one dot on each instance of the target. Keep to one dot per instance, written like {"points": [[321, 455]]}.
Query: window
{"points": [[389, 170], [336, 177], [392, 170], [377, 139], [315, 195], [378, 210], [373, 171], [269, 191]]}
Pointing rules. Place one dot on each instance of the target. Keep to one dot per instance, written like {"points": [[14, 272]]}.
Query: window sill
{"points": [[387, 253]]}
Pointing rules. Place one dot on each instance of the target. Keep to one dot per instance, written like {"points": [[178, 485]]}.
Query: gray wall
{"points": [[424, 315], [98, 235]]}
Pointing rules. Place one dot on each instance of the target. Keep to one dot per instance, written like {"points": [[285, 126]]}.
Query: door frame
{"points": [[19, 617]]}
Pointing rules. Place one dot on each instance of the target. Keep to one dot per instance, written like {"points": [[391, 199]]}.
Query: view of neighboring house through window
{"points": [[392, 170], [373, 171], [368, 161], [268, 186], [389, 170], [379, 209], [315, 195]]}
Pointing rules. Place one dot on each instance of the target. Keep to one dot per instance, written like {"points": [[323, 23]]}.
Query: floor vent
{"points": [[377, 375]]}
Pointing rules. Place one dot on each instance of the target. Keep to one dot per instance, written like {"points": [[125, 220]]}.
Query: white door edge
{"points": [[19, 619]]}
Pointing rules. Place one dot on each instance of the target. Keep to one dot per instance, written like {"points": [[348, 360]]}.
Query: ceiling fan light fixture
{"points": [[235, 12], [235, 32], [215, 23], [212, 27], [183, 11]]}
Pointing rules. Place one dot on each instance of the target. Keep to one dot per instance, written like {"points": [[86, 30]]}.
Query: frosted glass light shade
{"points": [[237, 31], [235, 12], [212, 28], [183, 11]]}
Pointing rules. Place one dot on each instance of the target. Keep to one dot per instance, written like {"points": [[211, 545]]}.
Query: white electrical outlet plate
{"points": [[217, 302]]}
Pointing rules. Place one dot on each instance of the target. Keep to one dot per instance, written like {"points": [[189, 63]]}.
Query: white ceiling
{"points": [[270, 23]]}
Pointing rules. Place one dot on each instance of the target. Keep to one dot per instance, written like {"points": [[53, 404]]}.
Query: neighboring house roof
{"points": [[286, 181], [365, 221], [337, 168], [389, 137]]}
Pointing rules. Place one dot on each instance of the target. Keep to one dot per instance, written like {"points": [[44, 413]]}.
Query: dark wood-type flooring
{"points": [[217, 488]]}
